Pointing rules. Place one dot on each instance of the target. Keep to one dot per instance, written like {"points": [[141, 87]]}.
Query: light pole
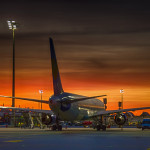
{"points": [[12, 26], [122, 91], [41, 92], [119, 105]]}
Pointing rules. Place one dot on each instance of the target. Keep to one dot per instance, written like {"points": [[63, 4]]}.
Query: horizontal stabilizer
{"points": [[80, 99], [27, 99]]}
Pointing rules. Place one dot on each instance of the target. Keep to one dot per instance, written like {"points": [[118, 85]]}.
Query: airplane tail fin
{"points": [[57, 86]]}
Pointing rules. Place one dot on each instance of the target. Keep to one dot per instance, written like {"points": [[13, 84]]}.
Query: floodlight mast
{"points": [[41, 92], [12, 26], [122, 91]]}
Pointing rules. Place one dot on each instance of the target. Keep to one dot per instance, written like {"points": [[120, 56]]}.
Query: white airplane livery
{"points": [[72, 107]]}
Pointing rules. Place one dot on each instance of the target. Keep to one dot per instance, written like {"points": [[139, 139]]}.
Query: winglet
{"points": [[57, 86]]}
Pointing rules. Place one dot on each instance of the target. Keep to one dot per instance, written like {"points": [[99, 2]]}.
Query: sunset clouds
{"points": [[100, 46]]}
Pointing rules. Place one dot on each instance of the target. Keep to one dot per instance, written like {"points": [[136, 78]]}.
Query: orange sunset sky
{"points": [[101, 47]]}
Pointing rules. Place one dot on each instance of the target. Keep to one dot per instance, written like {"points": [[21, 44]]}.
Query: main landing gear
{"points": [[99, 127], [100, 124], [57, 126]]}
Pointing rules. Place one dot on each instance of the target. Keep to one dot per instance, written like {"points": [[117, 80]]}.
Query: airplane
{"points": [[72, 107]]}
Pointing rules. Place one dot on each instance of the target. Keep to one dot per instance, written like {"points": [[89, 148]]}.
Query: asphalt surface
{"points": [[74, 139]]}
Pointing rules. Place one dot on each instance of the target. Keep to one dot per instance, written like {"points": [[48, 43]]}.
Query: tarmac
{"points": [[74, 139]]}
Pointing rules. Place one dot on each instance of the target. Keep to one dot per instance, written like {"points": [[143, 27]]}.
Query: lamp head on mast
{"points": [[12, 25]]}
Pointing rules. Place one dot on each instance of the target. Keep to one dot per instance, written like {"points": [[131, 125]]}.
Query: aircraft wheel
{"points": [[98, 127], [104, 128], [54, 127], [59, 128]]}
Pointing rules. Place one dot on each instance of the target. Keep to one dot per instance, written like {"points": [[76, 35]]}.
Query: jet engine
{"points": [[48, 119], [120, 119]]}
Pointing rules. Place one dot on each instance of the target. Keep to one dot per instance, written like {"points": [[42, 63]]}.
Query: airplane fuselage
{"points": [[81, 110]]}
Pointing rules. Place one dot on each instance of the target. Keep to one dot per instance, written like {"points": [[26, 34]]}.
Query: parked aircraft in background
{"points": [[73, 107]]}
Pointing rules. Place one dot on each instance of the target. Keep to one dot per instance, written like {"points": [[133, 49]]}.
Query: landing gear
{"points": [[100, 124], [104, 127], [54, 127], [99, 127], [57, 126]]}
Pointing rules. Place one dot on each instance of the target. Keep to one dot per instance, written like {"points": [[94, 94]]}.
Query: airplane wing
{"points": [[28, 99], [79, 99], [71, 100], [118, 111], [28, 110]]}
